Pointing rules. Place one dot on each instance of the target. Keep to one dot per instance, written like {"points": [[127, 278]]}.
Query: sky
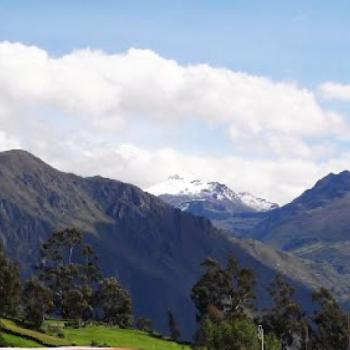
{"points": [[255, 94]]}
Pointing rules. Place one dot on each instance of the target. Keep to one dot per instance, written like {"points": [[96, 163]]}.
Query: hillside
{"points": [[315, 225], [153, 248]]}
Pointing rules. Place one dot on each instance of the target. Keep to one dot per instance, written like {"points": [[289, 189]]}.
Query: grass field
{"points": [[96, 335], [118, 337], [39, 337], [17, 341]]}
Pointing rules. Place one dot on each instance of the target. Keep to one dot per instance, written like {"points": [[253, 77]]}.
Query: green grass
{"points": [[97, 334], [40, 337], [20, 342], [115, 337]]}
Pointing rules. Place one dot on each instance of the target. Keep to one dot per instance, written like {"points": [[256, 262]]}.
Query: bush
{"points": [[55, 330], [230, 335], [73, 324], [60, 334], [234, 335]]}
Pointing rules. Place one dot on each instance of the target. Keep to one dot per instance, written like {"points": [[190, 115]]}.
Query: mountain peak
{"points": [[329, 187], [20, 157], [199, 190], [19, 161], [18, 153]]}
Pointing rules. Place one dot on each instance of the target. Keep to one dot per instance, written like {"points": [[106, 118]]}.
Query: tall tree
{"points": [[115, 303], [331, 332], [285, 318], [69, 269], [10, 285], [242, 288], [174, 329], [229, 290]]}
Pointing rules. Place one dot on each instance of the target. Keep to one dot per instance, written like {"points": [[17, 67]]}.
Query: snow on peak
{"points": [[177, 185], [199, 190], [259, 204]]}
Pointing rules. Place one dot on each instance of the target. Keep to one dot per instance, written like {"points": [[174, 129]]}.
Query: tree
{"points": [[242, 292], [230, 290], [77, 303], [10, 285], [285, 318], [37, 302], [174, 329], [115, 303], [235, 334], [68, 267], [331, 331]]}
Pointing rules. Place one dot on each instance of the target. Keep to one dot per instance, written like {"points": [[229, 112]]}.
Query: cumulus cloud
{"points": [[109, 90], [335, 91], [280, 180], [78, 110]]}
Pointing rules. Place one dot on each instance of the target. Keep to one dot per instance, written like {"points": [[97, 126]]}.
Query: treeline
{"points": [[228, 319], [68, 284]]}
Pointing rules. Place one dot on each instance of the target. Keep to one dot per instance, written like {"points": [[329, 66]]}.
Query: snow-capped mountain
{"points": [[257, 203], [237, 212], [194, 189]]}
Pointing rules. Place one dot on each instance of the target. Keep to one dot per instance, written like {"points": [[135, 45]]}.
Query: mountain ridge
{"points": [[200, 190], [315, 225], [153, 248]]}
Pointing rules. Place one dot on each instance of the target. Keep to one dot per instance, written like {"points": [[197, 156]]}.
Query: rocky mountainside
{"points": [[153, 248], [315, 225], [237, 212]]}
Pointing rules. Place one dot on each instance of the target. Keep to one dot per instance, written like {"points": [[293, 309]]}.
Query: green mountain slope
{"points": [[316, 225]]}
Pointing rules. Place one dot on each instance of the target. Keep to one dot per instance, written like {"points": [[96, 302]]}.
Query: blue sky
{"points": [[255, 94], [306, 41]]}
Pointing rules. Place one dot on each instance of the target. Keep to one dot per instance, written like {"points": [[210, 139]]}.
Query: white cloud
{"points": [[7, 142], [280, 180], [109, 90], [335, 91], [76, 111]]}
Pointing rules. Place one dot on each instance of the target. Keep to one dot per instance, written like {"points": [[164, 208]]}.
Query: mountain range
{"points": [[315, 226], [152, 247], [234, 211]]}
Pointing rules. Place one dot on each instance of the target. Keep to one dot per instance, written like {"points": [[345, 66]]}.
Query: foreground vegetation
{"points": [[56, 333], [69, 285], [19, 342]]}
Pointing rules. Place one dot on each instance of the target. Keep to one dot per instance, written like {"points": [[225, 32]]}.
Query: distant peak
{"points": [[196, 189], [19, 154], [21, 160], [332, 178]]}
